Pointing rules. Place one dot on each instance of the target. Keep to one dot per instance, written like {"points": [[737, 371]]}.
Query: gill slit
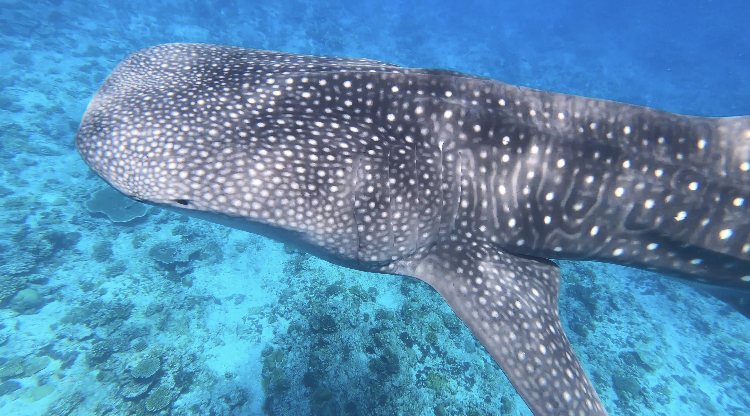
{"points": [[355, 191], [416, 198]]}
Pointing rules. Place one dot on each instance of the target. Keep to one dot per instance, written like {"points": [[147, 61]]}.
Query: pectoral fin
{"points": [[510, 303]]}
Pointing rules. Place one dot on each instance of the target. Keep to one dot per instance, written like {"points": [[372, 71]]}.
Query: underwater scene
{"points": [[110, 306]]}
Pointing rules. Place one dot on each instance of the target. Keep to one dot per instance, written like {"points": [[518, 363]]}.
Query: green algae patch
{"points": [[40, 392], [274, 377], [33, 365], [437, 382], [26, 300], [321, 395], [13, 368]]}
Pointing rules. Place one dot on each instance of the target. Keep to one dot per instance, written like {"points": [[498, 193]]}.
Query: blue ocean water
{"points": [[110, 307]]}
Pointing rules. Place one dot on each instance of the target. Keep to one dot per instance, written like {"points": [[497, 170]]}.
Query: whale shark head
{"points": [[290, 142], [467, 183]]}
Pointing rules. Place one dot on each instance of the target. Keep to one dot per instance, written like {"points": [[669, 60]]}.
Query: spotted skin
{"points": [[467, 183]]}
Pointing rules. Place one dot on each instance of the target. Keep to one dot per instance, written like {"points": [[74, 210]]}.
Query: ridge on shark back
{"points": [[466, 183]]}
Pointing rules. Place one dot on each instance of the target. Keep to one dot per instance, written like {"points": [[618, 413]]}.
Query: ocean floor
{"points": [[230, 323], [110, 307]]}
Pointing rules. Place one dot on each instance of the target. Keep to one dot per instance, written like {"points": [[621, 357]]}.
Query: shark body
{"points": [[466, 183]]}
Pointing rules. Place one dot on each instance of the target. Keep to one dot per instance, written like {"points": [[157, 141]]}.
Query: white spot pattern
{"points": [[381, 167]]}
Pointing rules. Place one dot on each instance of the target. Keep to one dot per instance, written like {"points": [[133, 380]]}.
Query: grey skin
{"points": [[466, 183]]}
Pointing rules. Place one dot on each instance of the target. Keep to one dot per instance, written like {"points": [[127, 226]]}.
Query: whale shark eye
{"points": [[182, 201]]}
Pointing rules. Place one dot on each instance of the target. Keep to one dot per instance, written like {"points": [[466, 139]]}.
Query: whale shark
{"points": [[467, 183]]}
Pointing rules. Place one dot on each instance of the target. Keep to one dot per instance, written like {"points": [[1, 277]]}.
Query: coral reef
{"points": [[9, 286], [158, 399], [115, 206], [147, 367]]}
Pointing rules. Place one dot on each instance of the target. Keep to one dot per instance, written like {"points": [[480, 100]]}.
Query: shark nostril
{"points": [[182, 201]]}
